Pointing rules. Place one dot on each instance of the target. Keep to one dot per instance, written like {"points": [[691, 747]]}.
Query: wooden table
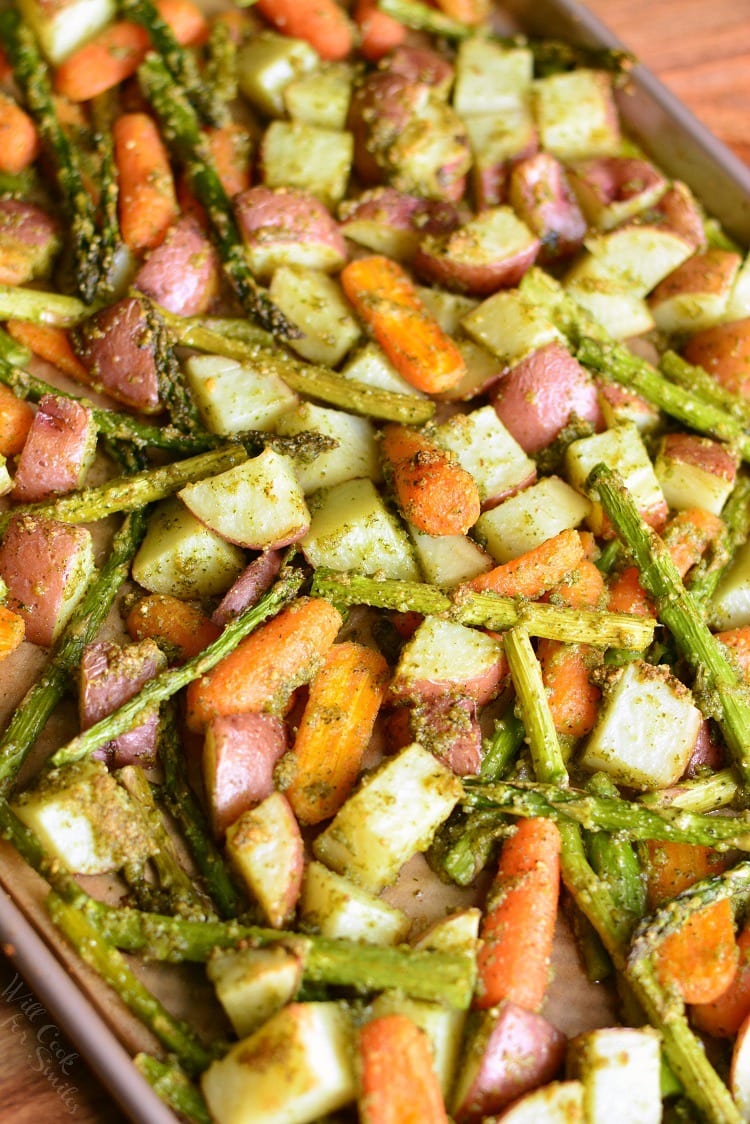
{"points": [[702, 52]]}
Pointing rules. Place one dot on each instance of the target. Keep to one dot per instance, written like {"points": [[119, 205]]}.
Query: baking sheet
{"points": [[102, 1029]]}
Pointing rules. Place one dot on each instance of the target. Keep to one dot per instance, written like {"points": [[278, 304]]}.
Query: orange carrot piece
{"points": [[398, 1082], [230, 148], [16, 416], [536, 571], [182, 626], [674, 867], [627, 595], [433, 491], [336, 726], [187, 20], [472, 12], [379, 33], [322, 23], [19, 140], [50, 344], [147, 201], [5, 67], [724, 1016], [385, 298], [12, 631], [738, 639], [519, 922], [264, 669]]}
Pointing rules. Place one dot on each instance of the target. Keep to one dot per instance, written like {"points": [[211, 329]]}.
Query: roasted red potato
{"points": [[542, 197], [678, 211], [492, 251], [611, 189], [29, 242], [285, 226], [239, 756], [724, 351], [393, 223], [421, 64], [58, 451], [184, 272], [447, 725], [249, 587], [110, 676], [117, 350]]}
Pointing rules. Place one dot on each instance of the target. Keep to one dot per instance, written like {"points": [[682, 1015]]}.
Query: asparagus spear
{"points": [[182, 131], [30, 717], [419, 16], [703, 794], [173, 390], [718, 685], [12, 352], [488, 610], [546, 755], [614, 858], [501, 747], [221, 62], [174, 1087], [39, 306], [169, 682], [700, 382], [103, 110]]}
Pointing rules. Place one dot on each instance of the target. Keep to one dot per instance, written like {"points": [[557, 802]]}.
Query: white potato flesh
{"points": [[730, 607], [443, 655], [258, 504], [619, 1068], [640, 256], [252, 984], [316, 304], [64, 26], [531, 517], [738, 304], [335, 907], [560, 1102], [182, 557], [613, 303], [265, 847], [622, 449], [356, 452], [576, 114], [484, 447], [370, 366], [497, 138], [489, 76], [267, 63], [687, 482], [322, 97], [295, 154], [448, 560], [391, 817], [510, 325], [233, 397]]}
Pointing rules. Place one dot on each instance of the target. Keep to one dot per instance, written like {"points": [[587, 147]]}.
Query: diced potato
{"points": [[492, 250], [612, 189], [352, 529], [738, 305], [258, 504], [335, 907], [498, 139], [618, 404], [612, 301], [619, 1068], [482, 369], [371, 366], [484, 447], [639, 255], [510, 325], [489, 77], [448, 560], [694, 471], [67, 24], [531, 517], [180, 556], [622, 449], [443, 1026], [447, 308], [296, 1068], [576, 114], [267, 63], [391, 817], [265, 847], [316, 304], [233, 397], [560, 1102], [695, 294], [322, 97], [6, 482], [356, 452], [730, 607], [252, 984], [646, 729], [294, 154], [84, 819], [444, 656]]}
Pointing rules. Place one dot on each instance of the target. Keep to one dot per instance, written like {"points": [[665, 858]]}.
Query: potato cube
{"points": [[294, 154], [180, 556], [316, 304], [233, 397], [531, 517], [336, 907], [356, 452], [622, 449], [576, 114]]}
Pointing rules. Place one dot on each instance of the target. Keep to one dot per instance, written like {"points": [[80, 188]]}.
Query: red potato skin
{"points": [[447, 724], [183, 273], [523, 1051], [239, 757], [707, 753], [379, 110], [57, 451], [285, 217], [29, 241], [701, 452], [440, 260], [678, 211], [709, 272], [423, 65], [491, 182], [537, 398], [116, 348], [724, 351], [36, 560], [110, 676], [614, 179], [541, 196], [429, 692], [250, 586], [397, 210]]}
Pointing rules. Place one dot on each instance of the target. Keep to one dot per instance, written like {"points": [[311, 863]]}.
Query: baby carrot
{"points": [[537, 570], [724, 1016], [12, 630], [230, 148], [322, 23], [519, 922], [16, 417], [345, 696], [387, 301], [19, 140], [179, 624], [50, 344], [472, 12], [433, 491], [264, 669], [379, 33], [147, 201], [398, 1082]]}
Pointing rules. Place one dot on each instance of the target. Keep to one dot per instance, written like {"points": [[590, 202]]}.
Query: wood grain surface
{"points": [[702, 52]]}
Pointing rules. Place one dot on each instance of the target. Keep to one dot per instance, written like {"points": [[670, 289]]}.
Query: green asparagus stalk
{"points": [[703, 794], [182, 130], [128, 493], [489, 610], [39, 306], [610, 813], [465, 844], [614, 858], [173, 389], [12, 352], [109, 963], [221, 63], [31, 75], [169, 682], [719, 685], [103, 110], [421, 17], [699, 381], [30, 717], [541, 735], [500, 749], [174, 1087], [704, 578]]}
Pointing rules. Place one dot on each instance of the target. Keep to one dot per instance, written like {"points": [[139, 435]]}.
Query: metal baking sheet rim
{"points": [[688, 151]]}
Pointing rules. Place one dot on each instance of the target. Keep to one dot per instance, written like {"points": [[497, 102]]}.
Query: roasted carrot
{"points": [[230, 147], [472, 12], [519, 920], [16, 417], [724, 1016], [700, 958], [385, 298], [533, 573], [738, 639], [379, 33], [12, 631], [266, 667], [119, 49], [398, 1082], [179, 625], [345, 696], [147, 201], [433, 491], [50, 344], [19, 140], [322, 23]]}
